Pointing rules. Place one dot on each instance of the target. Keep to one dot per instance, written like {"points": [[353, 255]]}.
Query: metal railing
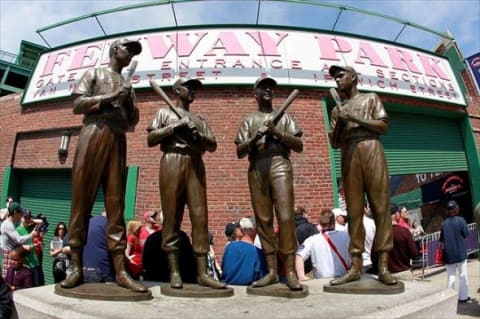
{"points": [[17, 60], [8, 57], [431, 242]]}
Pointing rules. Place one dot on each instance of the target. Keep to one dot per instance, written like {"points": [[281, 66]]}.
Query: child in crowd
{"points": [[18, 275]]}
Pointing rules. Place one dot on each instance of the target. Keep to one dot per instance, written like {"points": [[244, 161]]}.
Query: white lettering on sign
{"points": [[241, 55], [426, 177]]}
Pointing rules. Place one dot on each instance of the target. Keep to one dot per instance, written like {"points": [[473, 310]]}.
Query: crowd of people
{"points": [[323, 249]]}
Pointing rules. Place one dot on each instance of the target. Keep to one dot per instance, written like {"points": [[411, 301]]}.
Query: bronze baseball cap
{"points": [[133, 47], [334, 69], [265, 80], [194, 83]]}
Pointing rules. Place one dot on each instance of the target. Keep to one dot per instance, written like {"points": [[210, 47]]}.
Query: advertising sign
{"points": [[473, 63], [240, 55]]}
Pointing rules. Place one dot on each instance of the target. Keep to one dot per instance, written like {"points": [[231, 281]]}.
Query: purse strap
{"points": [[334, 248]]}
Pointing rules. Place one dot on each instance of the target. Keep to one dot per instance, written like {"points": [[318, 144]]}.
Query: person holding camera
{"points": [[9, 237], [31, 258]]}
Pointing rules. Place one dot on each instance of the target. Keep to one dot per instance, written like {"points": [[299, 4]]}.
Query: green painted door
{"points": [[418, 143], [50, 192]]}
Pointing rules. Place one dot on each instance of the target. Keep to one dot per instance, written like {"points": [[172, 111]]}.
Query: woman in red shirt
{"points": [[133, 252]]}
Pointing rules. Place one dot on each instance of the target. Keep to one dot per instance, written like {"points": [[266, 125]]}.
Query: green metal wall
{"points": [[50, 192], [418, 143]]}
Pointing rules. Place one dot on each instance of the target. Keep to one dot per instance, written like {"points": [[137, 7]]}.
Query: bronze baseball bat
{"points": [[285, 105], [338, 129], [164, 97], [281, 111], [336, 97], [132, 69]]}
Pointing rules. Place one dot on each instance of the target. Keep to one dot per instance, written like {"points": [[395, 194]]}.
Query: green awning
{"points": [[410, 200]]}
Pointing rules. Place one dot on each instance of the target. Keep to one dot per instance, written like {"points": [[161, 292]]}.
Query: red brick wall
{"points": [[40, 128]]}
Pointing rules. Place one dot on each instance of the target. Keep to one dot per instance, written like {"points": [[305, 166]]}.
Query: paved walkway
{"points": [[438, 277]]}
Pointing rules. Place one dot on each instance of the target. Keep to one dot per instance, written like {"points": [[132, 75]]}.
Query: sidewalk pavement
{"points": [[438, 277]]}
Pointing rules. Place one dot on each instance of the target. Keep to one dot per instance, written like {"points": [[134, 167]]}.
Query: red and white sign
{"points": [[240, 55]]}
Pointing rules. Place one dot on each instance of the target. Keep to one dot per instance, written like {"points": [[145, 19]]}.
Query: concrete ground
{"points": [[437, 277]]}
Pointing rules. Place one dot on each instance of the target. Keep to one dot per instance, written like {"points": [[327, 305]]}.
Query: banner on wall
{"points": [[473, 63], [240, 55]]}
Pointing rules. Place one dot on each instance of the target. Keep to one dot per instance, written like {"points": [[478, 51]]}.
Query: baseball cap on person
{"points": [[394, 208], [27, 212], [230, 228], [15, 207], [339, 212], [264, 80], [246, 223], [134, 47], [194, 83], [149, 214], [334, 69], [451, 205]]}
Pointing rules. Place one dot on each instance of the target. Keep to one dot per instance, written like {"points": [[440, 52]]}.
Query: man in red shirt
{"points": [[152, 222]]}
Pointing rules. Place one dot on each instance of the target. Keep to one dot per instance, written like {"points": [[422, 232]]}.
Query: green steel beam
{"points": [[305, 2], [131, 192], [371, 13], [10, 88], [333, 171], [473, 158], [99, 13], [6, 184]]}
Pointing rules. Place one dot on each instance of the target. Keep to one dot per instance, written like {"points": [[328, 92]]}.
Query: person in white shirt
{"points": [[328, 250], [370, 229], [340, 218], [4, 211], [9, 235]]}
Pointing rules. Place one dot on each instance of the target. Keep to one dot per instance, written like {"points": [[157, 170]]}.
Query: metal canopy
{"points": [[301, 14]]}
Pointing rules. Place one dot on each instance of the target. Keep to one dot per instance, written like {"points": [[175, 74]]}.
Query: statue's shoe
{"points": [[292, 281], [124, 280], [176, 280], [206, 281], [387, 278], [351, 275], [73, 280], [269, 279]]}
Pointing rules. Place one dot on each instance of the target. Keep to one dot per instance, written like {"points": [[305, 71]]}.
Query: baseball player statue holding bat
{"points": [[183, 137], [356, 127], [107, 102], [267, 137]]}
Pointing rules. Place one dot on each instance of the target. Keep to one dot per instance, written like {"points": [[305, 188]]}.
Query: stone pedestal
{"points": [[102, 291], [195, 291], [366, 286], [278, 290], [420, 300]]}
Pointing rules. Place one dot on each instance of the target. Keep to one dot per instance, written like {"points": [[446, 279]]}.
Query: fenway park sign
{"points": [[240, 55]]}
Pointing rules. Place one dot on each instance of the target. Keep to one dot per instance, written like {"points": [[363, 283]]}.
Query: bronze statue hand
{"points": [[121, 94], [344, 115], [183, 122], [272, 128], [193, 130], [262, 131]]}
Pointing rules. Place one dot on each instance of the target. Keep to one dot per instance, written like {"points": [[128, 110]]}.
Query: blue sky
{"points": [[19, 19]]}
